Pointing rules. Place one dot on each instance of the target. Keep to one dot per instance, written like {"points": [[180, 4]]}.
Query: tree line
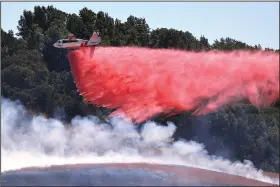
{"points": [[39, 75]]}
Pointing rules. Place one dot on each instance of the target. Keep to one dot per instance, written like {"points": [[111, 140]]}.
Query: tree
{"points": [[204, 43], [89, 18], [76, 26]]}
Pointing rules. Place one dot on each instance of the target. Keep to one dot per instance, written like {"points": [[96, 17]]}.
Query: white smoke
{"points": [[28, 141]]}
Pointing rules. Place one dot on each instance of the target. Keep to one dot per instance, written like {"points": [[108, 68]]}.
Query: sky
{"points": [[250, 22]]}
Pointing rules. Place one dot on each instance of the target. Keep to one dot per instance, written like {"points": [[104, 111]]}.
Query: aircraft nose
{"points": [[56, 45]]}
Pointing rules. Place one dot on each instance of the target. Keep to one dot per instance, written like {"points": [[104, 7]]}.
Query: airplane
{"points": [[71, 42]]}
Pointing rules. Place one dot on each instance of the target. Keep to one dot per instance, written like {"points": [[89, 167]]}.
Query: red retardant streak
{"points": [[143, 82]]}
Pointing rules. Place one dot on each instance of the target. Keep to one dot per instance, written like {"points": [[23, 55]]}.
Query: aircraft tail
{"points": [[95, 38]]}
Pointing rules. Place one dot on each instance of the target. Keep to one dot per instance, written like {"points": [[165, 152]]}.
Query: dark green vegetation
{"points": [[40, 76]]}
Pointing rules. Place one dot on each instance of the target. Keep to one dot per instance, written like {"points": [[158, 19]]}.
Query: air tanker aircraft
{"points": [[71, 42]]}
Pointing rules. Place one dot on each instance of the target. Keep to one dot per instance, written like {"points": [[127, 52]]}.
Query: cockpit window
{"points": [[69, 41]]}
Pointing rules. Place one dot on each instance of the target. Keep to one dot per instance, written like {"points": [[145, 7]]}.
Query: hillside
{"points": [[39, 75]]}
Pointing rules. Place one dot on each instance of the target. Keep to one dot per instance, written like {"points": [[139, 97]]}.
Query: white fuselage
{"points": [[76, 43]]}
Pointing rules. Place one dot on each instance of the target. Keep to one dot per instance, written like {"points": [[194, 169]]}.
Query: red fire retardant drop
{"points": [[143, 82]]}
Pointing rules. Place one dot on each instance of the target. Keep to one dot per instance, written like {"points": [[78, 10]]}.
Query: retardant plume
{"points": [[141, 83]]}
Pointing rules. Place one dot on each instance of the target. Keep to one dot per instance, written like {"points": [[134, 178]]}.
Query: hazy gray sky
{"points": [[250, 22]]}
